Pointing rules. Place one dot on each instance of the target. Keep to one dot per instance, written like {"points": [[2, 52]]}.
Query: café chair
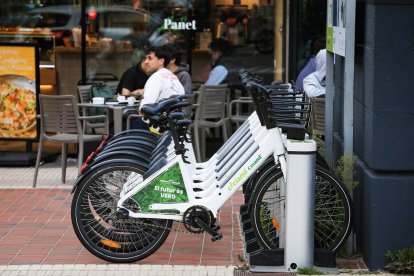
{"points": [[318, 115], [129, 119], [60, 123], [209, 113], [239, 110], [97, 126]]}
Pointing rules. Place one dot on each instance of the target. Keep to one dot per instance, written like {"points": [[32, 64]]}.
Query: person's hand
{"points": [[137, 93]]}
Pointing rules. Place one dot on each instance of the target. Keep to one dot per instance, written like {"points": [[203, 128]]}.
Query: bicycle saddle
{"points": [[177, 115], [152, 109], [184, 122], [180, 105], [182, 97], [179, 97]]}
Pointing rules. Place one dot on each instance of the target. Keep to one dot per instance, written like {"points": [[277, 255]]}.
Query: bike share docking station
{"points": [[296, 245]]}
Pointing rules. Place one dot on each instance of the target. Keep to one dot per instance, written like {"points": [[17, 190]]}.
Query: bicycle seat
{"points": [[177, 115], [182, 97], [180, 105], [184, 122], [152, 109], [179, 97]]}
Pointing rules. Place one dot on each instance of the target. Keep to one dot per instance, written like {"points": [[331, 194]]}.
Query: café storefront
{"points": [[272, 38], [267, 36]]}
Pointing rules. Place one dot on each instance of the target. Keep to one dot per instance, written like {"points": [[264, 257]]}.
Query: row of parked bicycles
{"points": [[136, 183]]}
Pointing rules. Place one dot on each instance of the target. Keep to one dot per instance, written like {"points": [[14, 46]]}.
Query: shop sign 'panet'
{"points": [[169, 24]]}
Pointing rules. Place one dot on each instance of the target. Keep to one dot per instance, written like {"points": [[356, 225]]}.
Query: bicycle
{"points": [[177, 188]]}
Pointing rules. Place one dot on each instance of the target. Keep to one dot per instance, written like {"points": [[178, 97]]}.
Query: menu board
{"points": [[19, 87]]}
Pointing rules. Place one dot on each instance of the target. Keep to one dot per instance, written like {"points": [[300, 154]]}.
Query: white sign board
{"points": [[336, 23]]}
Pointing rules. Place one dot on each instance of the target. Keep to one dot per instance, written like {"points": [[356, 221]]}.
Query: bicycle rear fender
{"points": [[132, 142], [125, 161], [135, 132], [120, 154], [143, 150]]}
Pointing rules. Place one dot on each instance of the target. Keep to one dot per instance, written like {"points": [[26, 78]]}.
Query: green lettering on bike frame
{"points": [[168, 187]]}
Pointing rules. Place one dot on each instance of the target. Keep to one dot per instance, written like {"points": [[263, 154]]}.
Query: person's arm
{"points": [[312, 86], [185, 80], [136, 93], [128, 84], [217, 75]]}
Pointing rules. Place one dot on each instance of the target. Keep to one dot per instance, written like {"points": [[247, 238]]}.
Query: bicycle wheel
{"points": [[333, 212], [261, 172], [100, 230]]}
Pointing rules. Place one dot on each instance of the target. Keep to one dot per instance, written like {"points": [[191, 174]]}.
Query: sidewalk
{"points": [[37, 238]]}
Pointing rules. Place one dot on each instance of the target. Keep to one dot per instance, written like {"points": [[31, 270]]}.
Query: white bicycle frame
{"points": [[227, 170], [220, 177]]}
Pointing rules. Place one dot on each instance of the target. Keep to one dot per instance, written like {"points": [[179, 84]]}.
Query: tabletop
{"points": [[117, 109]]}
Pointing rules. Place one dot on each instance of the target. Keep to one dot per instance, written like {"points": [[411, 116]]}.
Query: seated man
{"points": [[133, 80], [310, 67], [218, 75], [314, 83], [162, 83], [178, 68]]}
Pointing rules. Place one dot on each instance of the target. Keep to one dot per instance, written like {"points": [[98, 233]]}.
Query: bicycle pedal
{"points": [[215, 235]]}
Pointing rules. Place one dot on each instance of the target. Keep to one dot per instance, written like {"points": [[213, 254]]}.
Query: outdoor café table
{"points": [[117, 110]]}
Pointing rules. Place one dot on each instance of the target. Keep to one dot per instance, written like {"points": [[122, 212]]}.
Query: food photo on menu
{"points": [[17, 107], [18, 91]]}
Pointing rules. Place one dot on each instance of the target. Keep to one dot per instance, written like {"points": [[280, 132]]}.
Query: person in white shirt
{"points": [[314, 83], [162, 83]]}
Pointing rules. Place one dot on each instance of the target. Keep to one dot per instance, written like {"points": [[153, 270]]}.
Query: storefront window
{"points": [[310, 34], [118, 30], [248, 26], [34, 22]]}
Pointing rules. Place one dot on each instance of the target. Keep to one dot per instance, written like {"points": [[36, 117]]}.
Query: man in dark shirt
{"points": [[132, 84], [133, 80]]}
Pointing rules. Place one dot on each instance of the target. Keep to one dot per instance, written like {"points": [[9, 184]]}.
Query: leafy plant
{"points": [[320, 143], [401, 261], [342, 252], [244, 266], [345, 170], [309, 271]]}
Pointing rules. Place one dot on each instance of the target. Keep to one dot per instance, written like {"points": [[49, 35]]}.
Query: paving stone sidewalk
{"points": [[36, 235]]}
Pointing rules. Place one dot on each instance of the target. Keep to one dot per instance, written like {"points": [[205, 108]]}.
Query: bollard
{"points": [[300, 201]]}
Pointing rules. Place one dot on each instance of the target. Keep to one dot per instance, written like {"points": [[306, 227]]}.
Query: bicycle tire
{"points": [[332, 201], [97, 227], [261, 172]]}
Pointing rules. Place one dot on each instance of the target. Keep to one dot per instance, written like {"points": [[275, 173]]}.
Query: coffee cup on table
{"points": [[131, 100], [98, 100], [121, 98]]}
